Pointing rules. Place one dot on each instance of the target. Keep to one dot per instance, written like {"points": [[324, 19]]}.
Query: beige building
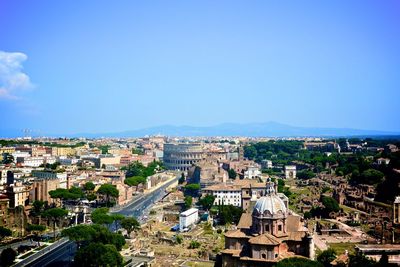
{"points": [[41, 187], [267, 235]]}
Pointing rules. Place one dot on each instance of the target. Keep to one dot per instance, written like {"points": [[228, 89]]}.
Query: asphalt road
{"points": [[140, 206]]}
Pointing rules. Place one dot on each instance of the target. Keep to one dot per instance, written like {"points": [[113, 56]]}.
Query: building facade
{"points": [[182, 156]]}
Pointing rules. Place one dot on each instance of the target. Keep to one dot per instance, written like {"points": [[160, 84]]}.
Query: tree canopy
{"points": [[207, 201], [7, 257], [109, 192], [130, 224], [135, 180], [232, 174], [4, 232], [98, 254]]}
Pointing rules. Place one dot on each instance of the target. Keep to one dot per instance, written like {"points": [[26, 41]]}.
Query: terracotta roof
{"points": [[218, 187], [236, 233], [245, 221], [293, 223], [295, 236], [264, 239], [343, 258], [234, 252]]}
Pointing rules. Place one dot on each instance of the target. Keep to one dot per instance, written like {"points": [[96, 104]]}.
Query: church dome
{"points": [[270, 204]]}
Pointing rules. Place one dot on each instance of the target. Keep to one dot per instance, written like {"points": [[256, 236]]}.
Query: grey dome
{"points": [[270, 205]]}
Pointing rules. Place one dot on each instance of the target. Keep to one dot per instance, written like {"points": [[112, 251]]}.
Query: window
{"points": [[279, 227], [263, 256], [267, 228]]}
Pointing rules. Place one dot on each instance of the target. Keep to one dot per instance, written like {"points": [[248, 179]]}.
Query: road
{"points": [[142, 204], [63, 251]]}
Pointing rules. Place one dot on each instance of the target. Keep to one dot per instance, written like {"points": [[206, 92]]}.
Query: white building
{"points": [[290, 171], [382, 161], [225, 194], [252, 172], [188, 218], [31, 161]]}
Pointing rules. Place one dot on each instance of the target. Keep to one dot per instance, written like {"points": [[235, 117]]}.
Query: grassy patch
{"points": [[41, 247], [199, 264], [340, 248], [26, 255]]}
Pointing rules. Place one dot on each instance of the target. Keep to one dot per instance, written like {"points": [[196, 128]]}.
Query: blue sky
{"points": [[105, 66]]}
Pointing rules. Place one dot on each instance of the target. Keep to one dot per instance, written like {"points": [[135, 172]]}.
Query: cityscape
{"points": [[199, 134]]}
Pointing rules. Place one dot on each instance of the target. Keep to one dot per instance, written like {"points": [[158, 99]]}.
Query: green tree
{"points": [[7, 158], [97, 254], [79, 233], [135, 180], [101, 216], [330, 204], [130, 224], [110, 192], [194, 244], [188, 202], [89, 186], [232, 174], [305, 174], [7, 257], [229, 214], [326, 257], [4, 232], [207, 201], [55, 215], [179, 239], [182, 179], [36, 229], [117, 218], [192, 189], [359, 260]]}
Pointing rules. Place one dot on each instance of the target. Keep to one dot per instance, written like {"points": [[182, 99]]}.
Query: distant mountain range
{"points": [[268, 129]]}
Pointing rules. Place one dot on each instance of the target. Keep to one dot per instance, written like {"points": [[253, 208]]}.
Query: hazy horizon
{"points": [[101, 67]]}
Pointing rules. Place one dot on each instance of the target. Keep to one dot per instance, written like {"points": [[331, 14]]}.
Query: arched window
{"points": [[263, 255]]}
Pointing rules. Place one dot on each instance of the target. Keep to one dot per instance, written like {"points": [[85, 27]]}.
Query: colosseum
{"points": [[181, 156]]}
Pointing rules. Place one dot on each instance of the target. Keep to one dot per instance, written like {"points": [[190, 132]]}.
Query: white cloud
{"points": [[12, 79]]}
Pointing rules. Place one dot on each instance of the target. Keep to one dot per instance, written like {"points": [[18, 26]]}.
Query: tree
{"points": [[179, 239], [232, 174], [89, 186], [135, 180], [79, 233], [116, 219], [194, 244], [97, 254], [229, 214], [369, 176], [130, 224], [207, 201], [7, 257], [35, 229], [55, 215], [330, 204], [326, 257], [135, 169], [298, 262], [305, 174], [4, 232], [100, 216], [359, 260], [192, 189], [7, 158], [182, 179], [109, 191], [188, 201], [73, 193]]}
